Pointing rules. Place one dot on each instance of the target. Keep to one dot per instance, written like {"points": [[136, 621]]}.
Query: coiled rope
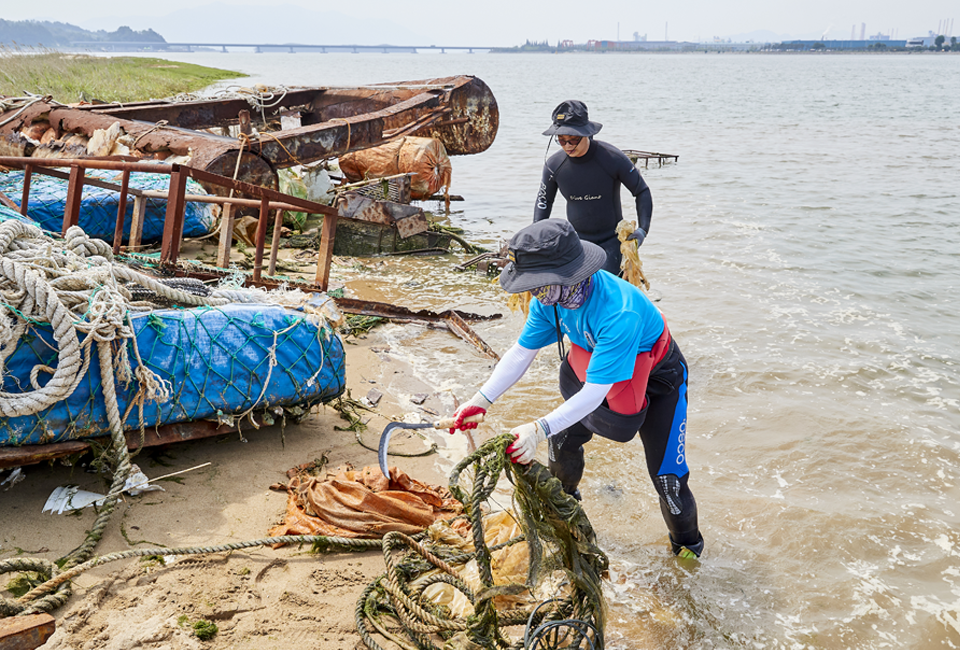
{"points": [[74, 286], [558, 535]]}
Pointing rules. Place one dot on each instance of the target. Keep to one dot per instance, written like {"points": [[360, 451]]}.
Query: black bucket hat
{"points": [[549, 252], [570, 118]]}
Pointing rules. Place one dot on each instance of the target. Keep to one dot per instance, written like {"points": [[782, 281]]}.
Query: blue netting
{"points": [[6, 214], [98, 207], [216, 361]]}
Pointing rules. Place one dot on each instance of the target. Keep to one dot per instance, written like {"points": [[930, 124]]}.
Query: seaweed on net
{"points": [[559, 536], [552, 519]]}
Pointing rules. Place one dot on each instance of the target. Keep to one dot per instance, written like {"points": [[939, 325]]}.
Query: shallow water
{"points": [[805, 249]]}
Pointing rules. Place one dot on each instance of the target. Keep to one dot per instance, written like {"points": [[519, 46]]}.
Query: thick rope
{"points": [[74, 286], [544, 507]]}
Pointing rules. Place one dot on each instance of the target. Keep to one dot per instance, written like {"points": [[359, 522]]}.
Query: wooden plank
{"points": [[261, 239], [136, 225], [164, 435], [173, 220], [275, 244], [121, 212], [71, 213], [325, 254], [226, 236], [26, 632]]}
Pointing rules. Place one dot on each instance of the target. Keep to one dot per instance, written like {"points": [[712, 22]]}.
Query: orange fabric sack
{"points": [[363, 504], [425, 157]]}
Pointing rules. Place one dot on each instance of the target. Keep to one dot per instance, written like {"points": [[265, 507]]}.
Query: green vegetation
{"points": [[71, 78], [202, 629]]}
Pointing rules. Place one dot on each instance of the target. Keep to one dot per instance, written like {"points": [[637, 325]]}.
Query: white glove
{"points": [[477, 405], [524, 447]]}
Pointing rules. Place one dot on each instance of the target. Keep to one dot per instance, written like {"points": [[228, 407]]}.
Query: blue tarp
{"points": [[98, 207], [215, 360]]}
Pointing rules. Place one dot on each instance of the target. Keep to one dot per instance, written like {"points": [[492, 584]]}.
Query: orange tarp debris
{"points": [[363, 503]]}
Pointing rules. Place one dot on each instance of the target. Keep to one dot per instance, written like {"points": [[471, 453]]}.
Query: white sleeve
{"points": [[509, 370], [576, 408]]}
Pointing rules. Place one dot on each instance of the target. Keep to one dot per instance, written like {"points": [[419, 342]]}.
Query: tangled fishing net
{"points": [[72, 316], [464, 590]]}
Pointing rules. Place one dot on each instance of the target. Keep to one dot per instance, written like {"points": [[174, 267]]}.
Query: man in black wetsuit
{"points": [[589, 174]]}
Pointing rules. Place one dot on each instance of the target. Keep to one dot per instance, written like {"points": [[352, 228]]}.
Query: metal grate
{"points": [[391, 188]]}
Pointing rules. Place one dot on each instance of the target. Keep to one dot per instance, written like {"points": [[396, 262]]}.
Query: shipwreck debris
{"points": [[300, 126]]}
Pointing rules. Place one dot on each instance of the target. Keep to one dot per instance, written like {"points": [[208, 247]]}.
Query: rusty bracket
{"points": [[26, 632]]}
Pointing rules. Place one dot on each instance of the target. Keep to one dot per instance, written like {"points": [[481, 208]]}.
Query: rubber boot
{"points": [[679, 510], [683, 550], [567, 466]]}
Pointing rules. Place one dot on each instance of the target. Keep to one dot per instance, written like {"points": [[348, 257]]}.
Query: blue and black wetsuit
{"points": [[591, 185], [619, 338]]}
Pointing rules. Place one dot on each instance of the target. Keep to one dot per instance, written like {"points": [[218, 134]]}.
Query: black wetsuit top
{"points": [[591, 186]]}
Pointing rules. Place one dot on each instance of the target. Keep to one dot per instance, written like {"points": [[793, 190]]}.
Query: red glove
{"points": [[477, 405]]}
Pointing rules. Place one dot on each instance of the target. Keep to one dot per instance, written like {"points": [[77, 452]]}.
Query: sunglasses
{"points": [[572, 140]]}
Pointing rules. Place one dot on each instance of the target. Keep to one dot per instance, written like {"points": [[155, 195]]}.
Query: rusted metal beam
{"points": [[173, 221], [261, 239], [87, 180], [297, 203], [26, 632], [121, 212], [458, 326], [275, 243], [71, 214], [452, 320], [21, 162], [203, 114], [25, 199], [163, 435]]}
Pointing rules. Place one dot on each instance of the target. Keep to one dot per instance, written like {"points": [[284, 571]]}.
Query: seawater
{"points": [[805, 249]]}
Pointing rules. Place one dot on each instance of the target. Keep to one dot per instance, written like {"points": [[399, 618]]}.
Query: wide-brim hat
{"points": [[549, 252], [571, 118]]}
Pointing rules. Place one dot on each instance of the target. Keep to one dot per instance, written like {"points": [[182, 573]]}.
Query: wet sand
{"points": [[258, 598]]}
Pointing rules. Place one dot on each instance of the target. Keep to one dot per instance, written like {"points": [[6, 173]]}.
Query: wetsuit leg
{"points": [[612, 248], [664, 443], [566, 456]]}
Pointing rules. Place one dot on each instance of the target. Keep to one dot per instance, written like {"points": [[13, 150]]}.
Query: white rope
{"points": [[76, 288]]}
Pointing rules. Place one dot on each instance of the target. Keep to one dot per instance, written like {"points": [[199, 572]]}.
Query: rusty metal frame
{"points": [[268, 200], [176, 202]]}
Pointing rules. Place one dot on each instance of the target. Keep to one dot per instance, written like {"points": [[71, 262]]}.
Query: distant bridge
{"points": [[127, 46]]}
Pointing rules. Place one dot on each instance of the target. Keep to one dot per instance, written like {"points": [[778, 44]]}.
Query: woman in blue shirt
{"points": [[623, 374]]}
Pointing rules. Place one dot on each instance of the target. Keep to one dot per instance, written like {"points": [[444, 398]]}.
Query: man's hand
{"points": [[478, 404], [524, 447], [638, 236]]}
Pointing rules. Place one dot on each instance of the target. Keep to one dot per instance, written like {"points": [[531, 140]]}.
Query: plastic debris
{"points": [[15, 477]]}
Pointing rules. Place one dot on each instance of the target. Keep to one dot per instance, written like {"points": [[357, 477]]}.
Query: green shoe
{"points": [[688, 551], [686, 554]]}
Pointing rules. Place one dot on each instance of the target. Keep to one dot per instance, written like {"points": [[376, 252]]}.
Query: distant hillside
{"points": [[51, 34]]}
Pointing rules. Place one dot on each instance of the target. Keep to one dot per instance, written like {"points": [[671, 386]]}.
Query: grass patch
{"points": [[71, 78]]}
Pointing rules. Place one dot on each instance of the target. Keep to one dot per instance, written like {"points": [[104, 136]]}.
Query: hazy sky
{"points": [[496, 22]]}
